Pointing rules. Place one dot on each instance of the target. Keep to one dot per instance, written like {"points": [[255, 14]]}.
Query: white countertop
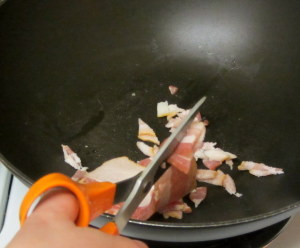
{"points": [[289, 236]]}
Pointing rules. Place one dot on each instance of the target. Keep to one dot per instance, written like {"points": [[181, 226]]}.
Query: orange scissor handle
{"points": [[93, 198], [110, 228]]}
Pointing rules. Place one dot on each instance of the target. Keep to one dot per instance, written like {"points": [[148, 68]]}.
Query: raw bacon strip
{"points": [[173, 89], [71, 158], [198, 129], [213, 157], [146, 133], [259, 169], [146, 207], [184, 153], [114, 170], [147, 150], [198, 195], [218, 178], [166, 190]]}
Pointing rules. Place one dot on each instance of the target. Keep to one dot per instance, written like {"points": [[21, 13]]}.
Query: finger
{"points": [[58, 204], [140, 244], [98, 239]]}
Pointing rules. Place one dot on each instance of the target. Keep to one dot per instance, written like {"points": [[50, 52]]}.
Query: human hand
{"points": [[52, 225]]}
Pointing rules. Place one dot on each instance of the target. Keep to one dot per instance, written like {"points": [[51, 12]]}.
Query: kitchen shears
{"points": [[96, 197]]}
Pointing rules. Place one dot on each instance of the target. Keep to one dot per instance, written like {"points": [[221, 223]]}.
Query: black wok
{"points": [[82, 72]]}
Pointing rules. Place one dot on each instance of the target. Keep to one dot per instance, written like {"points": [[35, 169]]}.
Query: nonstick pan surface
{"points": [[82, 73]]}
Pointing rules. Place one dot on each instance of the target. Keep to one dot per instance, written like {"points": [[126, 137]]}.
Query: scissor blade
{"points": [[146, 179]]}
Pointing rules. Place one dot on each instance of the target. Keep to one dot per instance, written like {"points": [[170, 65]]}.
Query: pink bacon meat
{"points": [[198, 195], [165, 191], [173, 89], [71, 158], [184, 153]]}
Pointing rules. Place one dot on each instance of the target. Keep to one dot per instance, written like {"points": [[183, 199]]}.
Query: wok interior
{"points": [[82, 73]]}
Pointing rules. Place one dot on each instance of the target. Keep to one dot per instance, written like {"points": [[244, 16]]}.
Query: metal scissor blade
{"points": [[146, 179]]}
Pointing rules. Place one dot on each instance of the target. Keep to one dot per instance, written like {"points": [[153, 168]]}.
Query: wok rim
{"points": [[27, 181]]}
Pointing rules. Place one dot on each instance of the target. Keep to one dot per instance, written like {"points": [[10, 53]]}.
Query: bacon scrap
{"points": [[72, 158], [213, 157], [147, 150], [81, 176], [174, 122], [229, 163], [175, 209], [176, 214], [146, 133], [218, 178], [205, 174], [198, 195], [259, 169], [114, 170], [180, 178], [229, 185], [173, 89], [168, 110]]}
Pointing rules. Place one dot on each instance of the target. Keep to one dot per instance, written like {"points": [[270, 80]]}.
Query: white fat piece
{"points": [[116, 170], [146, 133], [218, 155], [259, 169], [147, 150], [164, 109]]}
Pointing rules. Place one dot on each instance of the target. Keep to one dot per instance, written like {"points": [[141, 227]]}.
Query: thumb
{"points": [[58, 204]]}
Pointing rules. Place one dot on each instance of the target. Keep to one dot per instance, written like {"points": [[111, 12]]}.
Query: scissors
{"points": [[96, 197]]}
